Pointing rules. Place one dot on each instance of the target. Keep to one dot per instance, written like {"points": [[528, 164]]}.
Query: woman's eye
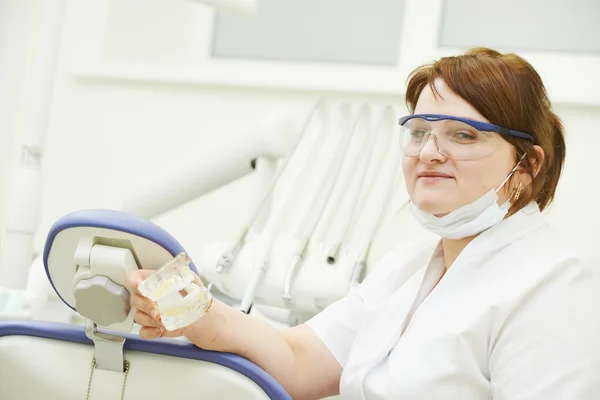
{"points": [[465, 136], [419, 133]]}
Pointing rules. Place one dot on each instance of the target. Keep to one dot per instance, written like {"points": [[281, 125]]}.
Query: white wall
{"points": [[17, 32], [105, 135]]}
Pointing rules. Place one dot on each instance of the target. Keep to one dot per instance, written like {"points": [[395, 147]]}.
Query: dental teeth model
{"points": [[180, 300]]}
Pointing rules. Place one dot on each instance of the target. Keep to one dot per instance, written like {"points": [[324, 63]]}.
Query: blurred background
{"points": [[140, 84]]}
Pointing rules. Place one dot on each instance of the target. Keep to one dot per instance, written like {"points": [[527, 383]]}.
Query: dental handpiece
{"points": [[381, 205], [321, 110], [360, 265], [350, 203], [317, 205], [227, 259]]}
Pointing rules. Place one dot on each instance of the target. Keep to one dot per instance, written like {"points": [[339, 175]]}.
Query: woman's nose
{"points": [[430, 150]]}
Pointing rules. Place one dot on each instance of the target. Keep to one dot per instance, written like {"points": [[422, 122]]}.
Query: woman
{"points": [[501, 308]]}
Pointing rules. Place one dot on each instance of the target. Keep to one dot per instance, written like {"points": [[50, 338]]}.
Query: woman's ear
{"points": [[537, 164]]}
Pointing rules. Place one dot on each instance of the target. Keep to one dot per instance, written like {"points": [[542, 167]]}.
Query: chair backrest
{"points": [[47, 360], [50, 360]]}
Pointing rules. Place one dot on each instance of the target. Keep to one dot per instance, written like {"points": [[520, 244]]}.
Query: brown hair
{"points": [[508, 92]]}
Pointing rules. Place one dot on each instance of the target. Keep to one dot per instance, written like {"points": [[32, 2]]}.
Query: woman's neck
{"points": [[453, 247]]}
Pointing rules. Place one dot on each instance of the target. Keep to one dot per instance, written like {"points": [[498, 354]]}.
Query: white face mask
{"points": [[468, 220]]}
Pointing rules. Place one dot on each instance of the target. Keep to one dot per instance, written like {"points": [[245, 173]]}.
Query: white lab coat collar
{"points": [[511, 229], [398, 307]]}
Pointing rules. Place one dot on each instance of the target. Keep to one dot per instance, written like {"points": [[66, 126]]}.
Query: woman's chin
{"points": [[434, 207]]}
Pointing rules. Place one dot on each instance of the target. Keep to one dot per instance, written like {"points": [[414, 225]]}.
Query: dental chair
{"points": [[86, 256]]}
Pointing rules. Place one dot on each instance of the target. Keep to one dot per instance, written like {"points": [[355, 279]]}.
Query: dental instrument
{"points": [[317, 205], [349, 202], [319, 110], [378, 200], [277, 220], [262, 166]]}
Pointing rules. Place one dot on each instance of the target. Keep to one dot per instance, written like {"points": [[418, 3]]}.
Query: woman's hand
{"points": [[289, 356], [204, 333]]}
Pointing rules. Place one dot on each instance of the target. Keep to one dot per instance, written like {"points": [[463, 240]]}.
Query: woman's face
{"points": [[454, 183]]}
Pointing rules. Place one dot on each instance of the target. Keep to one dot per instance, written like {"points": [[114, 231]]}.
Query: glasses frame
{"points": [[480, 126]]}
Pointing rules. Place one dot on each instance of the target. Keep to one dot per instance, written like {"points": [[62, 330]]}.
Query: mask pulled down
{"points": [[468, 220]]}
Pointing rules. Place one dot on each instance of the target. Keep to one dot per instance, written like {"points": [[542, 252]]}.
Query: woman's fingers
{"points": [[146, 320], [144, 304], [134, 278], [150, 332], [147, 314]]}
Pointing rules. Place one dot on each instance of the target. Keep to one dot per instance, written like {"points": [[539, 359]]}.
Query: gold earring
{"points": [[518, 192]]}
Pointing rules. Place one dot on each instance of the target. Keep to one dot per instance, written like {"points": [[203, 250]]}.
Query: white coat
{"points": [[516, 317]]}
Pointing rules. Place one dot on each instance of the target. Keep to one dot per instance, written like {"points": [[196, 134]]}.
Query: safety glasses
{"points": [[455, 137]]}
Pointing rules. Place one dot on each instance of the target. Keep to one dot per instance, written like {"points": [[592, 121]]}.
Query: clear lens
{"points": [[454, 139]]}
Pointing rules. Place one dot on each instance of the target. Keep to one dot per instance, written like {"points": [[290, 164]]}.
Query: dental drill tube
{"points": [[339, 233], [226, 260], [317, 205], [360, 265], [263, 166], [349, 204], [248, 298], [319, 113], [291, 273], [381, 204]]}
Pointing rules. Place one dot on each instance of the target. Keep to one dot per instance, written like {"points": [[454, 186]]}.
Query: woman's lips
{"points": [[433, 177]]}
